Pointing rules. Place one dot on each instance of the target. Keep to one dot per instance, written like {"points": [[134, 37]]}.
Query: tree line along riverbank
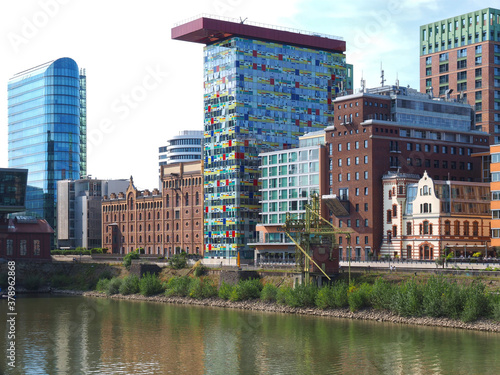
{"points": [[430, 299]]}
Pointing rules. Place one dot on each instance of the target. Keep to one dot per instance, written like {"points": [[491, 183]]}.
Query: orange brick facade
{"points": [[495, 196], [162, 223]]}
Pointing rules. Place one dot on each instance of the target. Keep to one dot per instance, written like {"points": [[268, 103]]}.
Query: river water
{"points": [[78, 335]]}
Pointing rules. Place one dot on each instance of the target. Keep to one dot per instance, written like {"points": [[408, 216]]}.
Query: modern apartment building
{"points": [[495, 196], [162, 223], [289, 178], [393, 129], [79, 210], [460, 57], [426, 218], [264, 87], [182, 148], [46, 107]]}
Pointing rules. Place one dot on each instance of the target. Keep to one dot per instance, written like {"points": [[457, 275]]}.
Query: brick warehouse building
{"points": [[390, 129], [162, 223]]}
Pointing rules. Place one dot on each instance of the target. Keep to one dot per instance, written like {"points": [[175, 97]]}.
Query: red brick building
{"points": [[25, 238], [393, 129], [162, 223], [461, 54]]}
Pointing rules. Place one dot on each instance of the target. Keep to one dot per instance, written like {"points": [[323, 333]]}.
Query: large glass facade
{"points": [[44, 131], [259, 96]]}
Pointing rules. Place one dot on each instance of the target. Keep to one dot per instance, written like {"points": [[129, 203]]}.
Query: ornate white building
{"points": [[423, 216]]}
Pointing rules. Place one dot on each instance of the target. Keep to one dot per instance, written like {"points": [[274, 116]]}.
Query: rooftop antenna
{"points": [[363, 83], [382, 79], [242, 21]]}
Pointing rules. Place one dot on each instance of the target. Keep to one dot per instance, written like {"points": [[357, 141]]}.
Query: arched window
{"points": [[149, 215], [167, 199], [466, 228], [475, 228], [149, 227], [447, 228], [426, 227], [187, 199], [176, 226], [158, 215], [408, 228], [197, 198], [140, 228], [158, 226], [457, 228], [177, 200]]}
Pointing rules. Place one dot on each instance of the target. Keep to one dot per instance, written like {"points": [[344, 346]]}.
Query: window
{"points": [[443, 68], [389, 216], [22, 247], [466, 228], [36, 247], [461, 64], [408, 228]]}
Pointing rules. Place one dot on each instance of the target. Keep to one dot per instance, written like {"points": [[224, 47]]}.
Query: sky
{"points": [[143, 87]]}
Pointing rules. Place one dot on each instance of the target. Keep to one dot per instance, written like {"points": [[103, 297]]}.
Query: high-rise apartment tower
{"points": [[264, 87]]}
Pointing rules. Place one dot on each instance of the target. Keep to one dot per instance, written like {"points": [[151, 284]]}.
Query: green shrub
{"points": [[60, 281], [150, 284], [282, 294], [324, 298], [453, 301], [302, 296], [177, 286], [495, 309], [382, 294], [102, 285], [178, 261], [195, 288], [246, 289], [130, 285], [208, 289], [114, 286], [433, 292], [475, 302], [96, 250], [408, 299], [33, 282], [359, 296], [200, 270], [268, 293], [225, 291], [127, 259], [340, 290]]}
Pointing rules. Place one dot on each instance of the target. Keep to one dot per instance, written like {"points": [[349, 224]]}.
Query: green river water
{"points": [[78, 335]]}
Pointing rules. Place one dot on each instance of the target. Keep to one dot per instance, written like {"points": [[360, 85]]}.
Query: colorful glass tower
{"points": [[264, 87], [45, 135]]}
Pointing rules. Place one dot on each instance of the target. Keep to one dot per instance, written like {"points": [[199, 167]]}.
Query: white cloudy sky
{"points": [[125, 45]]}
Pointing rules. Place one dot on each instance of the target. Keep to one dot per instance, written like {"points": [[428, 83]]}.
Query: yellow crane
{"points": [[313, 230]]}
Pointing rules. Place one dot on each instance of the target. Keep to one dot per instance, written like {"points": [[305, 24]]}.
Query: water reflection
{"points": [[99, 336]]}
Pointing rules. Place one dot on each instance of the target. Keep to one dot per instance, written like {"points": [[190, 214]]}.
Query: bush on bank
{"points": [[437, 297]]}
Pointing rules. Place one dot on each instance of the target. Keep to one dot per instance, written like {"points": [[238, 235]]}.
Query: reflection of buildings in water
{"points": [[146, 334]]}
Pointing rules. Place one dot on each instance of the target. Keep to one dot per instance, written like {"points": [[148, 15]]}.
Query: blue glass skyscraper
{"points": [[45, 131]]}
